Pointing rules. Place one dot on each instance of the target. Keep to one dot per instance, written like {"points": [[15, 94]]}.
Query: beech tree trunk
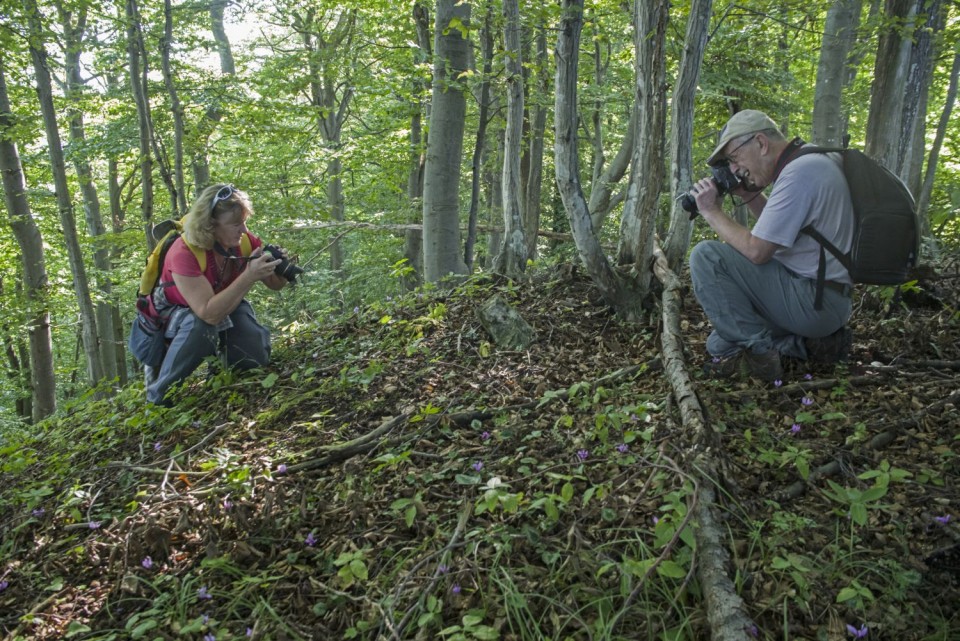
{"points": [[538, 125], [212, 115], [638, 225], [88, 319], [681, 136], [923, 198], [511, 261], [480, 142], [441, 211], [111, 354], [42, 384], [829, 123], [413, 239], [884, 125], [617, 291], [138, 86], [180, 198]]}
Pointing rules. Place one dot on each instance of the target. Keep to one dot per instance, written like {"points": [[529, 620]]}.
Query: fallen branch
{"points": [[726, 612], [878, 442]]}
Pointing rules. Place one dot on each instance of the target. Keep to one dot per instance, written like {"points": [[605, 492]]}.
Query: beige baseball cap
{"points": [[744, 122]]}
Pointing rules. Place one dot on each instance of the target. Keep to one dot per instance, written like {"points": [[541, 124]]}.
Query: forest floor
{"points": [[395, 475]]}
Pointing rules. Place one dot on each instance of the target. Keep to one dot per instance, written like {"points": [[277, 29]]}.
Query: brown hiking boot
{"points": [[765, 366], [830, 349]]}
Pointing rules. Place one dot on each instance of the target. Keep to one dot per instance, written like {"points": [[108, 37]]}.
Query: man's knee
{"points": [[704, 256]]}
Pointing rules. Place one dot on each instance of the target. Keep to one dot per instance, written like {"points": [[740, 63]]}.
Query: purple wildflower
{"points": [[752, 630], [442, 569], [943, 520], [147, 563], [655, 519], [4, 585], [808, 377], [157, 446], [227, 504], [209, 637], [777, 383], [310, 541], [795, 429], [582, 454], [485, 436], [282, 468], [94, 525], [203, 594], [38, 512], [456, 588], [622, 448], [206, 619], [858, 633], [806, 400], [477, 466], [249, 632]]}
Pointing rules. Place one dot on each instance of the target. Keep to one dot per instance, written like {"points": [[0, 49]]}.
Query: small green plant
{"points": [[353, 568], [472, 627]]}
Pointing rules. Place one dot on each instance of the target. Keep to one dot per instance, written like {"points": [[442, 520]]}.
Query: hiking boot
{"points": [[723, 367], [830, 349], [765, 366]]}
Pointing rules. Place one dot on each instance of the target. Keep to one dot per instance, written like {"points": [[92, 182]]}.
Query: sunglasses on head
{"points": [[222, 194]]}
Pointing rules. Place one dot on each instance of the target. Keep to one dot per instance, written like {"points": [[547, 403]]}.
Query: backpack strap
{"points": [[825, 245]]}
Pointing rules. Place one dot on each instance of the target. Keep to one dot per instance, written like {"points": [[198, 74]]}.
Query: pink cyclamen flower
{"points": [[282, 468], [582, 454], [795, 429], [311, 540], [94, 525], [477, 466], [806, 400], [777, 383], [622, 448], [147, 563], [485, 436], [203, 594]]}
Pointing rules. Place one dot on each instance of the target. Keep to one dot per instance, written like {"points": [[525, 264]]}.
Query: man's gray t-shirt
{"points": [[811, 190]]}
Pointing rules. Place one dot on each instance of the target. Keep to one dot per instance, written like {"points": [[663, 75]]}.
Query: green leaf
{"points": [[467, 479], [270, 380], [671, 570], [74, 628], [858, 512], [410, 515], [847, 594], [470, 620], [143, 628], [566, 492]]}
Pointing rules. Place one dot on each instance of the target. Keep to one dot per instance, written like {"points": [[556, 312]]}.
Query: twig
{"points": [[454, 540]]}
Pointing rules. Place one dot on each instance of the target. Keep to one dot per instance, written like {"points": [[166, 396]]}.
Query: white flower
{"points": [[494, 483]]}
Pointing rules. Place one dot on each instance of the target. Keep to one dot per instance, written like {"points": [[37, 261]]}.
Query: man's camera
{"points": [[725, 180], [286, 269]]}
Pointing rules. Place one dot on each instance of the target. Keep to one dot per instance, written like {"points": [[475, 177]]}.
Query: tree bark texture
{"points": [[538, 124], [923, 200], [42, 382], [839, 33], [885, 126], [512, 259], [138, 87], [638, 225], [413, 239], [88, 319], [441, 211], [480, 141], [106, 308], [681, 135], [179, 204], [615, 290]]}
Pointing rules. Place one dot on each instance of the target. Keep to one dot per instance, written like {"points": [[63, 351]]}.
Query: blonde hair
{"points": [[200, 221]]}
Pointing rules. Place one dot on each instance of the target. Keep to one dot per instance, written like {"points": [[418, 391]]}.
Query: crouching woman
{"points": [[205, 276]]}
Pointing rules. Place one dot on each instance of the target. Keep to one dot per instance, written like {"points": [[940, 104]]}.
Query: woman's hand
{"points": [[261, 266]]}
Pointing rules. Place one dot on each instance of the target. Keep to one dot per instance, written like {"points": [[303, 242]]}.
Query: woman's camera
{"points": [[286, 269], [725, 180]]}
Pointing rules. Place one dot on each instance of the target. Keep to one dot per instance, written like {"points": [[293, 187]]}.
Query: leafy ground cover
{"points": [[395, 475]]}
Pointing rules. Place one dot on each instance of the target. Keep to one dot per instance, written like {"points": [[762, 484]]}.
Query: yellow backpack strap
{"points": [[199, 254]]}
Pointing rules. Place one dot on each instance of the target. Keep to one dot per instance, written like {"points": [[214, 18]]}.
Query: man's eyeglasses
{"points": [[222, 194], [730, 157]]}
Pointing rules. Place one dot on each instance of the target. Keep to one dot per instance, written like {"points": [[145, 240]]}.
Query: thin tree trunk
{"points": [[88, 319], [42, 385], [512, 259], [139, 89], [638, 226], [441, 228], [480, 142], [923, 200], [212, 115], [106, 307], [616, 291], [681, 136], [180, 199], [843, 18], [413, 239], [538, 125]]}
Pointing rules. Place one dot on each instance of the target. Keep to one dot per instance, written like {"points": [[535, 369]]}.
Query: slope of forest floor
{"points": [[396, 475]]}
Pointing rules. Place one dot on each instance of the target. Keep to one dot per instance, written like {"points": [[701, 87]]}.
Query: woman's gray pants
{"points": [[244, 342], [760, 307]]}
